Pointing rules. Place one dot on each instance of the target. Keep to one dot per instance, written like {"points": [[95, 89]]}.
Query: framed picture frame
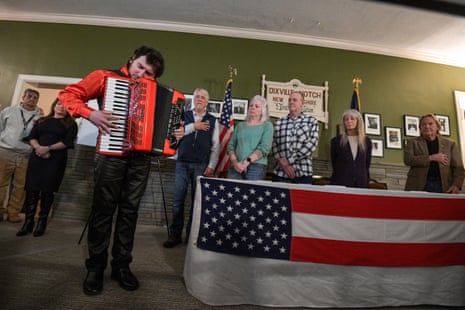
{"points": [[215, 107], [239, 107], [188, 102], [460, 110], [372, 123], [393, 137], [377, 149], [411, 126], [445, 124]]}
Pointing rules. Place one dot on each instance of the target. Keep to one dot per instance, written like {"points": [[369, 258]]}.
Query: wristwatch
{"points": [[249, 160]]}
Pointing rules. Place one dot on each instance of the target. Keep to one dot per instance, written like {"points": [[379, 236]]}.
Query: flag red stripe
{"points": [[377, 206], [225, 133], [376, 253], [223, 159]]}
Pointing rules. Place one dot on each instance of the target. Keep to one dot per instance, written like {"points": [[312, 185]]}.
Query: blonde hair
{"points": [[438, 124], [360, 129], [264, 117]]}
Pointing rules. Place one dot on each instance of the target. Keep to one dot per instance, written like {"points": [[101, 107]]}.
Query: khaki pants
{"points": [[13, 166]]}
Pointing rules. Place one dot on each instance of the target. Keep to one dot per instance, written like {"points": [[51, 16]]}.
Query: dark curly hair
{"points": [[154, 58]]}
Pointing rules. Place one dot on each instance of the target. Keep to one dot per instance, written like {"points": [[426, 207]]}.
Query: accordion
{"points": [[148, 114]]}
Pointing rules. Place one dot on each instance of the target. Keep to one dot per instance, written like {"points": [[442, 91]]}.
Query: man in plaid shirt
{"points": [[295, 139]]}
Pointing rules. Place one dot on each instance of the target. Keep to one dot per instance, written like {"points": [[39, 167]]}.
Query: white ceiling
{"points": [[368, 26]]}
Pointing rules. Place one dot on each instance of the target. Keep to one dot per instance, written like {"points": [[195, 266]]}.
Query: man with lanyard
{"points": [[15, 123]]}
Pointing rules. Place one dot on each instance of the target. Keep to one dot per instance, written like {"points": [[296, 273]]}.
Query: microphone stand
{"points": [[157, 163]]}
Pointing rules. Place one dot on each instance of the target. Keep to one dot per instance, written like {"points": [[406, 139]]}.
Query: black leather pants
{"points": [[120, 183]]}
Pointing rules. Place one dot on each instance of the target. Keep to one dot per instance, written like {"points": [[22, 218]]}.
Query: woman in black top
{"points": [[50, 138], [351, 152]]}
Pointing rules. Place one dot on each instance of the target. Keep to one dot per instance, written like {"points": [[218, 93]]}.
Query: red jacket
{"points": [[75, 96]]}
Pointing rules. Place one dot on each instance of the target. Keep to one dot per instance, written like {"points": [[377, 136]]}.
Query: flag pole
{"points": [[232, 71], [226, 126], [357, 81], [355, 102]]}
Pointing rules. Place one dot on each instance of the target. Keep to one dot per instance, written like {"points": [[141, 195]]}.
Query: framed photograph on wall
{"points": [[188, 102], [460, 110], [214, 107], [445, 125], [411, 126], [372, 124], [393, 137], [239, 107], [377, 149]]}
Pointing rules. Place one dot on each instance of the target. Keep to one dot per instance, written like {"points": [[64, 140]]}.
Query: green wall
{"points": [[391, 86]]}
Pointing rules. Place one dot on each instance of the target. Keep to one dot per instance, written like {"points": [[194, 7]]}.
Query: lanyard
{"points": [[25, 123]]}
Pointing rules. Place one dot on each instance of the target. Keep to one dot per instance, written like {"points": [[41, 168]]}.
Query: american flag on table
{"points": [[226, 130], [343, 227]]}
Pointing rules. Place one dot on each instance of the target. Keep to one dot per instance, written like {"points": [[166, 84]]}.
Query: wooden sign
{"points": [[315, 98]]}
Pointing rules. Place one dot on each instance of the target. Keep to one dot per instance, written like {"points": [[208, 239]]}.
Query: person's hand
{"points": [[288, 168], [42, 151], [46, 155], [241, 166], [283, 162], [440, 158], [453, 190], [104, 121], [178, 133], [290, 171], [204, 126], [209, 172], [127, 146]]}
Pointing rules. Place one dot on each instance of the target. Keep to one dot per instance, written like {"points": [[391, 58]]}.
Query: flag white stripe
{"points": [[376, 230], [226, 138]]}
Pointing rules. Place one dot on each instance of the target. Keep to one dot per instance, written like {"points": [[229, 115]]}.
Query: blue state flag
{"points": [[355, 102]]}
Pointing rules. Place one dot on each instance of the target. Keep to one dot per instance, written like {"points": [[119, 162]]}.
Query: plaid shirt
{"points": [[295, 139]]}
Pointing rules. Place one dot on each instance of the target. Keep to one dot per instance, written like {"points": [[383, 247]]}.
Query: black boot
{"points": [[30, 204], [46, 201]]}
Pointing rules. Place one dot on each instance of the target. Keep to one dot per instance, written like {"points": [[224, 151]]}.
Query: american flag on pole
{"points": [[226, 130], [340, 226]]}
